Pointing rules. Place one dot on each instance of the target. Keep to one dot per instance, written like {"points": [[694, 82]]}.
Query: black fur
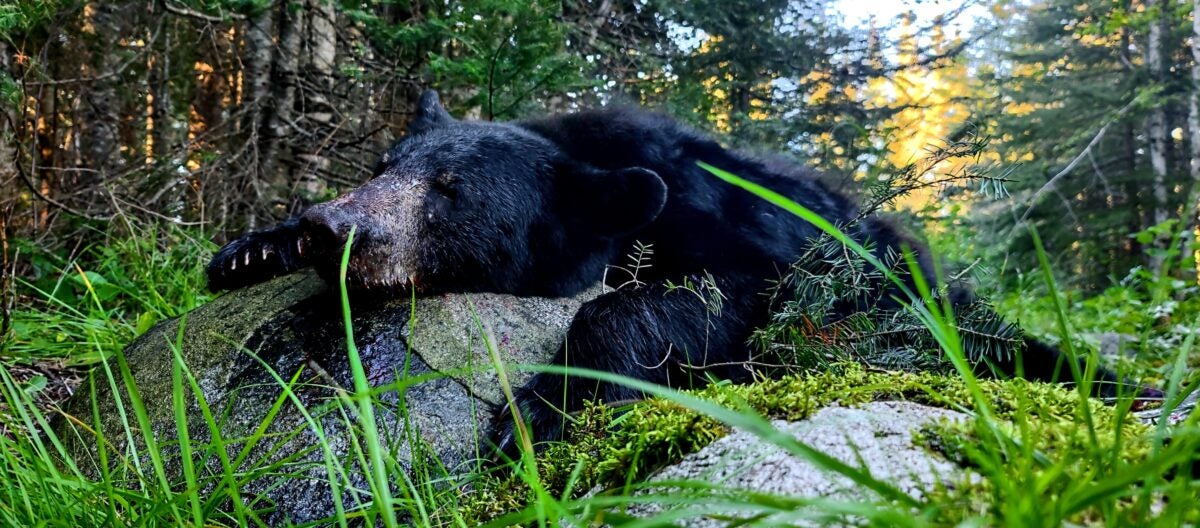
{"points": [[544, 207]]}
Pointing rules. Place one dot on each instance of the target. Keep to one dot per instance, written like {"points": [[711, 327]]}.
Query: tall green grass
{"points": [[129, 483], [76, 307]]}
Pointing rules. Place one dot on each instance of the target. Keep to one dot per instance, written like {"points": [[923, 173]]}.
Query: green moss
{"points": [[1040, 449], [611, 450]]}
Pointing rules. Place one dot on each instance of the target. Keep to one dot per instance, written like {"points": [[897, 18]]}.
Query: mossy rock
{"points": [[427, 359], [610, 451]]}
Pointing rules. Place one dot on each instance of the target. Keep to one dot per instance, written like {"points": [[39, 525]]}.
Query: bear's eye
{"points": [[445, 184]]}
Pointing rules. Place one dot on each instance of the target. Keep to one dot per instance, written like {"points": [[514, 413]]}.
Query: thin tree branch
{"points": [[191, 13], [1050, 185]]}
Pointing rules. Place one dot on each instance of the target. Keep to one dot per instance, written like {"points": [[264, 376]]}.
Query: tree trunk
{"points": [[277, 131], [1131, 189], [8, 140], [164, 136], [99, 107], [1157, 132], [256, 77], [47, 157], [8, 180], [1192, 206], [251, 181], [319, 56]]}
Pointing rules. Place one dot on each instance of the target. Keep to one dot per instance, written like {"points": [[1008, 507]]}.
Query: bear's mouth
{"points": [[390, 283], [372, 277], [372, 270]]}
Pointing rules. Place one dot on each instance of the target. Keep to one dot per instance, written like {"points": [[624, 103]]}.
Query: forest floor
{"points": [[78, 308]]}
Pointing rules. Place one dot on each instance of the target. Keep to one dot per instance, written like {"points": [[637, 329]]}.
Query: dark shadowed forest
{"points": [[225, 115], [1047, 150]]}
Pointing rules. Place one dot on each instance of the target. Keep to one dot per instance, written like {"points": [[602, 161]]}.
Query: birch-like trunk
{"points": [[258, 46], [258, 50], [320, 53], [1192, 207], [279, 118], [1157, 132]]}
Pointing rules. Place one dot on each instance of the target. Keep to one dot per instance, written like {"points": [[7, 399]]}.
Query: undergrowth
{"points": [[833, 306], [1035, 455], [1132, 321], [75, 307]]}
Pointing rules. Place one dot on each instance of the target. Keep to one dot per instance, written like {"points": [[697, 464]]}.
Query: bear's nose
{"points": [[326, 228]]}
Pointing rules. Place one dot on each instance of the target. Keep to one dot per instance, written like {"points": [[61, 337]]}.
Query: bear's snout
{"points": [[325, 228]]}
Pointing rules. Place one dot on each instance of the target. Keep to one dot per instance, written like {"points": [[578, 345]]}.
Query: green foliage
{"points": [[753, 74], [24, 15], [1139, 322], [832, 306], [128, 485], [500, 56], [1073, 94], [78, 308], [10, 93], [512, 53], [223, 8], [1145, 330]]}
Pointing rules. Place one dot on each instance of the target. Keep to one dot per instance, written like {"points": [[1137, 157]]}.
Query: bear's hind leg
{"points": [[1042, 362], [675, 337]]}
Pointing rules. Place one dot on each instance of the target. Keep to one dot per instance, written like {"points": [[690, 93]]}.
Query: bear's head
{"points": [[467, 206]]}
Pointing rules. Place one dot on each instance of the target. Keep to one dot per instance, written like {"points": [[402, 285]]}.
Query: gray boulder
{"points": [[876, 437], [1112, 344], [293, 325]]}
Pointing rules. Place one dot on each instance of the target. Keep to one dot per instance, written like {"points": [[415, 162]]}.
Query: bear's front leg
{"points": [[674, 336], [259, 256]]}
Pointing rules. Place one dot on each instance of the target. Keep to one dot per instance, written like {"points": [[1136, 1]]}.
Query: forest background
{"points": [[137, 136]]}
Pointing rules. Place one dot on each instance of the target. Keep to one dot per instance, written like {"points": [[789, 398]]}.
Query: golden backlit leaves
{"points": [[929, 104], [721, 110], [933, 99]]}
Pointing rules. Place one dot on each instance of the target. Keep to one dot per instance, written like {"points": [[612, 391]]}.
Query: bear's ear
{"points": [[430, 113], [614, 202]]}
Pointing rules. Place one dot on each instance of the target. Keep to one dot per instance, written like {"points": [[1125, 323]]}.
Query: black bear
{"points": [[545, 207]]}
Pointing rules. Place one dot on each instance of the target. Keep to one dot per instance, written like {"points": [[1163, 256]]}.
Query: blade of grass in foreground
{"points": [[337, 478], [380, 489], [181, 426], [526, 466], [140, 413], [999, 456], [993, 442], [1083, 380]]}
